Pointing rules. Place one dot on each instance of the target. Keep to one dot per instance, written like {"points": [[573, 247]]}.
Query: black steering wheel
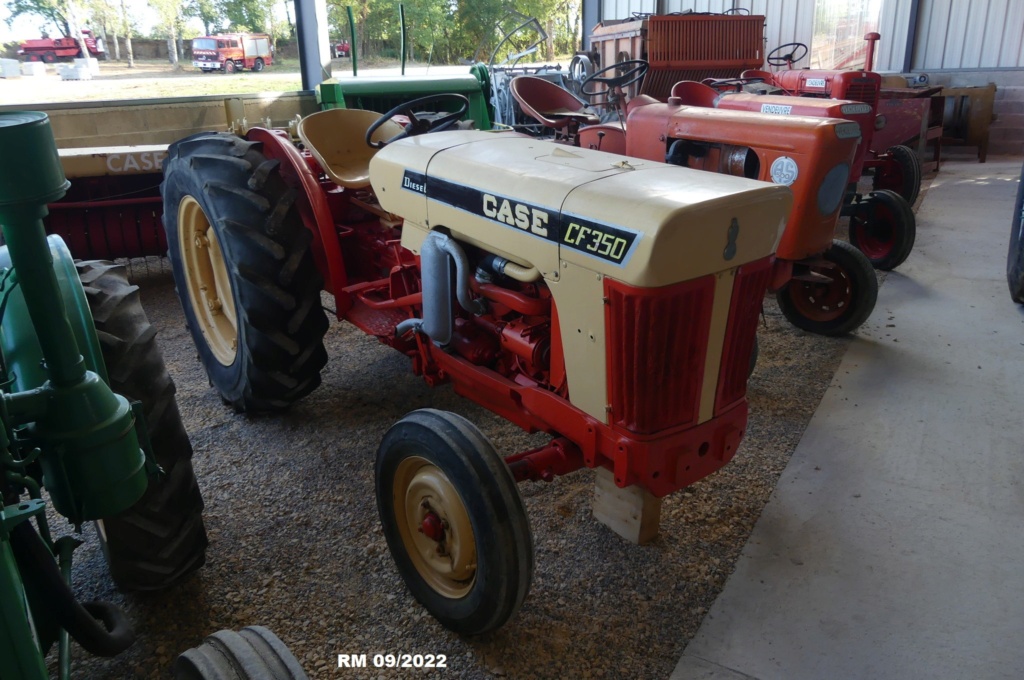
{"points": [[732, 83], [787, 58], [419, 126], [632, 71]]}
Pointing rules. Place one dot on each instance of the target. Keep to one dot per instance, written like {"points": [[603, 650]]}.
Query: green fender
{"points": [[18, 338]]}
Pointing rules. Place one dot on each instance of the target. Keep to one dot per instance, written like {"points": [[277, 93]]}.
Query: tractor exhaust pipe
{"points": [[869, 62], [436, 258]]}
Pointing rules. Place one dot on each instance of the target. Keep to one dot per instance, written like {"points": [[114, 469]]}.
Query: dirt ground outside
{"points": [[153, 79]]}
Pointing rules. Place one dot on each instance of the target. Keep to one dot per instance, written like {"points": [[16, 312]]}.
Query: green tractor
{"points": [[88, 414]]}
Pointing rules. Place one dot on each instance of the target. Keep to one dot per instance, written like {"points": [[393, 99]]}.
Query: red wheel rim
{"points": [[875, 238], [823, 302]]}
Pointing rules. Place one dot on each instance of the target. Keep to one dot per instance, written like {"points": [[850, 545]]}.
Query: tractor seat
{"points": [[337, 140], [692, 93], [551, 105]]}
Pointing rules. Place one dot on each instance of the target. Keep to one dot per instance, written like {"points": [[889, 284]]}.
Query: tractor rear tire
{"points": [[901, 172], [253, 305], [1015, 254], [50, 57], [258, 65], [883, 227], [835, 308], [161, 539], [253, 653], [454, 521]]}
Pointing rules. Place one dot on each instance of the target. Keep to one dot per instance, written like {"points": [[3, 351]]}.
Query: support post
{"points": [[314, 45]]}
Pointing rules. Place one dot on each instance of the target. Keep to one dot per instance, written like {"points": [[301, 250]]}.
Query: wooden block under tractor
{"points": [[632, 513]]}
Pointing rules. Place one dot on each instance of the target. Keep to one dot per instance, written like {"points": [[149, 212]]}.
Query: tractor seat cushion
{"points": [[337, 140], [549, 104]]}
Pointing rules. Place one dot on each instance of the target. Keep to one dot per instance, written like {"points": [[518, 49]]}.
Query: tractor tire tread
{"points": [[865, 294], [267, 251], [161, 539]]}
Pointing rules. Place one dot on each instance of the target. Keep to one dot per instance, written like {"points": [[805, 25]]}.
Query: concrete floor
{"points": [[893, 546]]}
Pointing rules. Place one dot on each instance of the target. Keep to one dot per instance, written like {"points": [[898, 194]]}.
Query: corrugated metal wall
{"points": [[951, 34], [959, 34]]}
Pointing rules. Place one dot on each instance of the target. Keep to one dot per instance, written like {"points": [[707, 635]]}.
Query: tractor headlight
{"points": [[879, 122], [832, 188]]}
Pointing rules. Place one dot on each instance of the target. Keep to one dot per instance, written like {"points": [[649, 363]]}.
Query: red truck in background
{"points": [[51, 50], [230, 52]]}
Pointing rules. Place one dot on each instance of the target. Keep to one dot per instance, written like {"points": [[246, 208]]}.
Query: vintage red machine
{"points": [[51, 50], [574, 292], [231, 52], [882, 223], [822, 285], [680, 47], [900, 114]]}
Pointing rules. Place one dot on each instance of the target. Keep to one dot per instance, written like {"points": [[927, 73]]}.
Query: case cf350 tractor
{"points": [[607, 301]]}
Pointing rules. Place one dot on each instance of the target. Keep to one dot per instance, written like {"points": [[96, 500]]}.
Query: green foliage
{"points": [[245, 15], [454, 31], [206, 11], [52, 11]]}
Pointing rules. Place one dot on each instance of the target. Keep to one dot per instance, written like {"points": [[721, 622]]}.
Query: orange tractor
{"points": [[609, 302], [822, 285], [882, 223], [898, 115]]}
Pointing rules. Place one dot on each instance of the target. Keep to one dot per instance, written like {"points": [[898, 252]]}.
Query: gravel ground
{"points": [[295, 542]]}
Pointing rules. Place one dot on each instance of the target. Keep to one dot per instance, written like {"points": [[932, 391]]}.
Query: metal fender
{"points": [[313, 207], [18, 338]]}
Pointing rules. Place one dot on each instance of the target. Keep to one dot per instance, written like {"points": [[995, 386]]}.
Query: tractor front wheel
{"points": [[229, 66], [50, 57], [882, 226], [900, 171], [161, 539], [253, 653], [839, 299], [454, 521], [244, 272]]}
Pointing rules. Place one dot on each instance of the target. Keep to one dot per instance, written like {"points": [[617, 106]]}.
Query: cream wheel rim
{"points": [[207, 281], [435, 527]]}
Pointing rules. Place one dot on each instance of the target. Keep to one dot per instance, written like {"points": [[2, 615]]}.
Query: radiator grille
{"points": [[699, 47], [657, 342], [860, 90], [747, 294]]}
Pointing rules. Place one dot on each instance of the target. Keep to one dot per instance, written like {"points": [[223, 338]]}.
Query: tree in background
{"points": [[170, 14], [126, 27], [245, 15], [206, 11], [52, 11], [103, 15], [454, 31]]}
